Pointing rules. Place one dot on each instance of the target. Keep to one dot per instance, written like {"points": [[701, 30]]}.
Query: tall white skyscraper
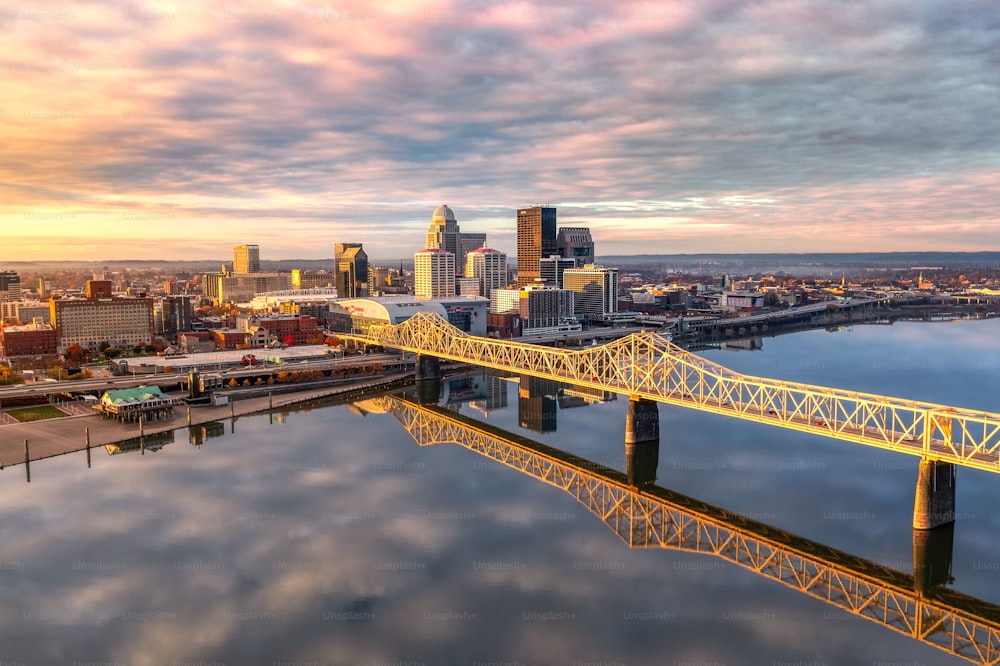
{"points": [[443, 232], [434, 273], [489, 266]]}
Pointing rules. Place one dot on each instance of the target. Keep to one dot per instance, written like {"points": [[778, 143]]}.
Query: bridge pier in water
{"points": [[428, 367], [642, 441], [428, 391], [934, 499], [932, 555]]}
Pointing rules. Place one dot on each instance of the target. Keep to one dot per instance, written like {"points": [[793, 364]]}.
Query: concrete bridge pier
{"points": [[934, 499], [428, 367], [642, 441], [932, 556]]}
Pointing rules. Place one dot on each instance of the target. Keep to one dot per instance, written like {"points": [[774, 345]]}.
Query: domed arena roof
{"points": [[443, 213]]}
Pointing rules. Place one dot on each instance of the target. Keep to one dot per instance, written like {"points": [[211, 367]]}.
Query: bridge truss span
{"points": [[647, 365]]}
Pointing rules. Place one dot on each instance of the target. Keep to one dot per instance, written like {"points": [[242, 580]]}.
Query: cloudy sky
{"points": [[175, 130]]}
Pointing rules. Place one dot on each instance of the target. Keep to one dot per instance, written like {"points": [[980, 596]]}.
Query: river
{"points": [[327, 535]]}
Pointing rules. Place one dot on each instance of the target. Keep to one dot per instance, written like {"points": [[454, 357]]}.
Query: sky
{"points": [[168, 130]]}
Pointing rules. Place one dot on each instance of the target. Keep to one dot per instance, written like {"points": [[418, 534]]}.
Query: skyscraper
{"points": [[434, 273], [489, 267], [551, 269], [443, 232], [576, 243], [596, 289], [468, 242], [10, 286], [536, 238], [246, 259], [351, 266]]}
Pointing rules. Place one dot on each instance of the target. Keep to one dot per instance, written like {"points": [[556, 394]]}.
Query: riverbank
{"points": [[59, 436]]}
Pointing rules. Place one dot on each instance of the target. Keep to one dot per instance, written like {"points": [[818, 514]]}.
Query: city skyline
{"points": [[168, 132]]}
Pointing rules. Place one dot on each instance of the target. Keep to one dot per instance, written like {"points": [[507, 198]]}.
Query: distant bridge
{"points": [[654, 517], [648, 366]]}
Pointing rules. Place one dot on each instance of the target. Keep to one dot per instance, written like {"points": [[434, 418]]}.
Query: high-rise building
{"points": [[443, 232], [210, 286], [305, 279], [551, 269], [10, 286], [489, 267], [172, 315], [536, 238], [596, 289], [576, 243], [468, 242], [350, 263], [88, 322], [545, 309], [434, 273], [246, 259], [237, 288]]}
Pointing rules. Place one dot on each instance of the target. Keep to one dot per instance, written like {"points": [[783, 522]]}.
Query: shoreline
{"points": [[60, 436]]}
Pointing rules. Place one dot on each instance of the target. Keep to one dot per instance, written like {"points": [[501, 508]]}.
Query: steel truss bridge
{"points": [[655, 517], [648, 366]]}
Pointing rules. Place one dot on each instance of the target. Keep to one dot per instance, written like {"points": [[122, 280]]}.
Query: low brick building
{"points": [[36, 338]]}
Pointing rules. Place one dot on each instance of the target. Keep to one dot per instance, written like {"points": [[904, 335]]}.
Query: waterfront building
{"points": [[146, 402]]}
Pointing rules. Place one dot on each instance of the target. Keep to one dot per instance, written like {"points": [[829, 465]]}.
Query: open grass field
{"points": [[39, 413]]}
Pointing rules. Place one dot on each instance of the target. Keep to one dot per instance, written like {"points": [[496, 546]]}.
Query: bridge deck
{"points": [[646, 365]]}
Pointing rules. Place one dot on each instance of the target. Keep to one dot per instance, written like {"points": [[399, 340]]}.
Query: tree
{"points": [[75, 354], [104, 346], [289, 340], [150, 349], [112, 353], [137, 349], [8, 376], [233, 383]]}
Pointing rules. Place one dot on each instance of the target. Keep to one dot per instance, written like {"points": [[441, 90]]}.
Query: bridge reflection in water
{"points": [[644, 515]]}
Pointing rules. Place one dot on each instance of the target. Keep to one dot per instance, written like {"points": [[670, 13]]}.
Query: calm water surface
{"points": [[329, 536]]}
